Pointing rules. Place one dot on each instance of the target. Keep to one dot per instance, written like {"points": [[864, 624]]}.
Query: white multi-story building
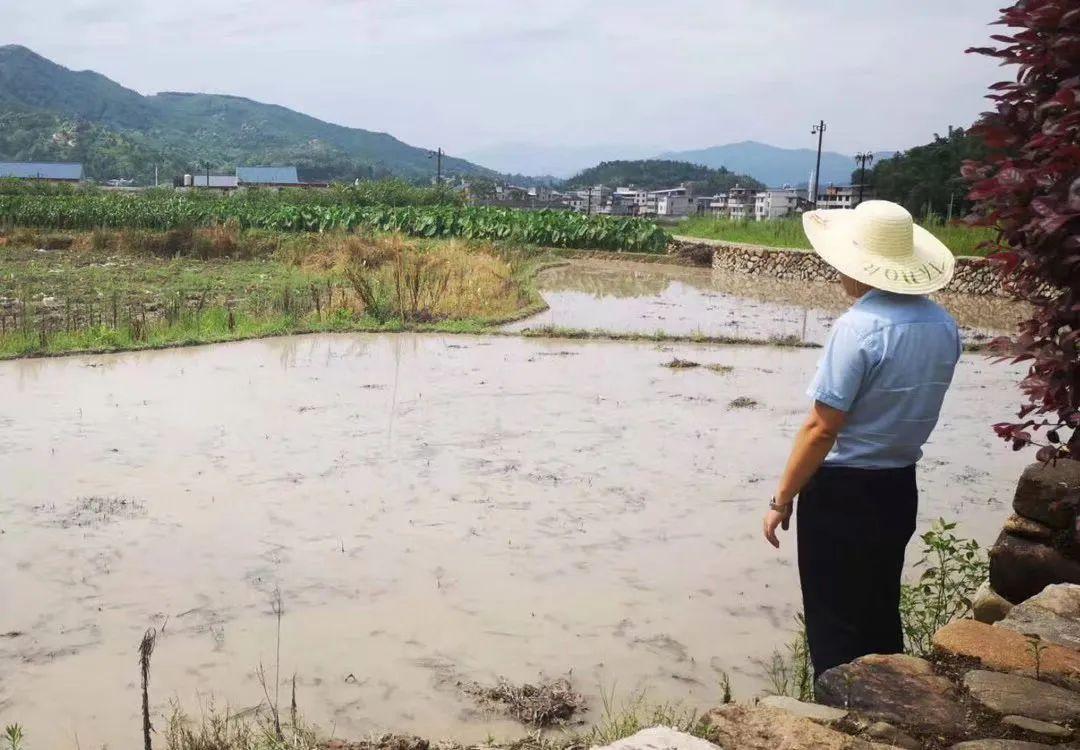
{"points": [[775, 204], [845, 196], [628, 201], [670, 202], [740, 203], [590, 200], [703, 204]]}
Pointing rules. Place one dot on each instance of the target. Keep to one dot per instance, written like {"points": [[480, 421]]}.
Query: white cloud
{"points": [[471, 73]]}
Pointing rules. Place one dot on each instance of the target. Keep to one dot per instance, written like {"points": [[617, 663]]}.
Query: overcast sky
{"points": [[472, 74]]}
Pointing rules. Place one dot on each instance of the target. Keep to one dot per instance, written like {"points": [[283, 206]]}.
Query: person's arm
{"points": [[848, 358], [812, 443]]}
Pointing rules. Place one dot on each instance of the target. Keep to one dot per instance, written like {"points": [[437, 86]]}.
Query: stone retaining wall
{"points": [[973, 275]]}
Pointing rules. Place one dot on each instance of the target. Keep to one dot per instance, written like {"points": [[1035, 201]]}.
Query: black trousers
{"points": [[853, 527]]}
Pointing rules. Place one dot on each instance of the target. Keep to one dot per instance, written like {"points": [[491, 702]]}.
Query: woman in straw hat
{"points": [[876, 398]]}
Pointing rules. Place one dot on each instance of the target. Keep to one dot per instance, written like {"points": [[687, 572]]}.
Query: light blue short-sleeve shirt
{"points": [[888, 362]]}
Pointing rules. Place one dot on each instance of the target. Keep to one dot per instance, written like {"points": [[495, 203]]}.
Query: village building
{"points": [[740, 203], [590, 200], [703, 204], [216, 181], [267, 177], [842, 196], [56, 172], [628, 201], [775, 204], [670, 202]]}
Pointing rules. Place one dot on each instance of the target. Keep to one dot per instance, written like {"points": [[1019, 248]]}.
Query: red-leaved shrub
{"points": [[1029, 188]]}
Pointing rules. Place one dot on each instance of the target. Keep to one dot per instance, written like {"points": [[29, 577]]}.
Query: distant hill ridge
{"points": [[773, 165], [653, 174], [48, 112]]}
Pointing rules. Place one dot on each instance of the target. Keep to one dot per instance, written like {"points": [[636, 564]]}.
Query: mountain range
{"points": [[48, 112], [773, 165], [51, 113]]}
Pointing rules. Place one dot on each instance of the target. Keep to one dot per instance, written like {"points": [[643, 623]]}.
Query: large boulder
{"points": [[1039, 728], [988, 605], [1053, 615], [895, 688], [740, 727], [1049, 493], [813, 711], [1007, 651], [1021, 568], [1018, 525], [999, 745], [1010, 694], [660, 738], [883, 731]]}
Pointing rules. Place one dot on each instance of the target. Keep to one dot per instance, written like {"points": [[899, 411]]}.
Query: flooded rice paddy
{"points": [[648, 298], [434, 510]]}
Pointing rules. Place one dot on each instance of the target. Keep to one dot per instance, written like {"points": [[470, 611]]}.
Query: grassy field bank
{"points": [[961, 239], [110, 290]]}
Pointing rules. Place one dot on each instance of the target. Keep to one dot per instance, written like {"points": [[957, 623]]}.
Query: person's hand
{"points": [[774, 518]]}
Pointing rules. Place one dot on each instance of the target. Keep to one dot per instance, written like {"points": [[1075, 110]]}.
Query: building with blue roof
{"points": [[270, 176], [40, 170]]}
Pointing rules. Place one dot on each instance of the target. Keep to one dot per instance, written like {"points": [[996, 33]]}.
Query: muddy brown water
{"points": [[432, 509], [650, 297]]}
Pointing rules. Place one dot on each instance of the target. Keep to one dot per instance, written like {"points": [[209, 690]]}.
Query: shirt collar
{"points": [[871, 294]]}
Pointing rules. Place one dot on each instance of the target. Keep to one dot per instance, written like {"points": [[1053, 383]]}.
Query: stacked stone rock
{"points": [[972, 276], [983, 693], [1040, 543]]}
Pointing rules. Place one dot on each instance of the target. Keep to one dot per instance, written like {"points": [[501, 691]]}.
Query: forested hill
{"points": [[926, 179], [51, 113], [654, 174]]}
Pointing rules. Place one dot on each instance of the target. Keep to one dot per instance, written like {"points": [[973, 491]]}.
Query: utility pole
{"points": [[207, 165], [155, 175], [588, 209], [437, 156], [863, 159], [819, 131]]}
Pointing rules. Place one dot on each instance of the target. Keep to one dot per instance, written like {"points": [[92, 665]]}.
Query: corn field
{"points": [[171, 211]]}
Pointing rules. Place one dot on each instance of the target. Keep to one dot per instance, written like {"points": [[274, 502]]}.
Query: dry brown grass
{"points": [[548, 703], [417, 282], [339, 250], [226, 241]]}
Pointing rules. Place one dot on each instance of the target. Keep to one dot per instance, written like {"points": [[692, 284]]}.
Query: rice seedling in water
{"points": [[13, 737]]}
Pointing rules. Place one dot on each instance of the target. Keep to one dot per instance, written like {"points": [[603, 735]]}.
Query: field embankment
{"points": [[788, 233]]}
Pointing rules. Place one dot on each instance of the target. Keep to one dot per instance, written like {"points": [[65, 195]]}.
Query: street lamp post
{"points": [[819, 131], [863, 160]]}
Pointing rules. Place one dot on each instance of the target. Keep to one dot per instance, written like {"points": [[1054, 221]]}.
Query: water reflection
{"points": [[630, 297]]}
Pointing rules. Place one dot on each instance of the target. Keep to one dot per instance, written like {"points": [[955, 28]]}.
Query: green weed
{"points": [[952, 569], [790, 671]]}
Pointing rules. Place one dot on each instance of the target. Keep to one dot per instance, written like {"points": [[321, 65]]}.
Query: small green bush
{"points": [[952, 569]]}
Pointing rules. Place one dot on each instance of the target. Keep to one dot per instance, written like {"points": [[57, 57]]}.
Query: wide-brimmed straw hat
{"points": [[879, 244]]}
